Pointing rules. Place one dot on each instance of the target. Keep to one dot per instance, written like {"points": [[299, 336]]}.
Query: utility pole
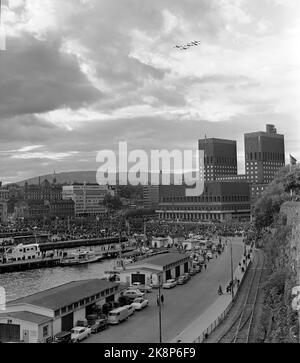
{"points": [[159, 307], [231, 263]]}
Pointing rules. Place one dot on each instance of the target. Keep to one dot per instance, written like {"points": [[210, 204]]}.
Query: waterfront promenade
{"points": [[183, 305]]}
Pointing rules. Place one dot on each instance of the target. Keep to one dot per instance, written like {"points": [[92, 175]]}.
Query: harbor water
{"points": [[19, 284]]}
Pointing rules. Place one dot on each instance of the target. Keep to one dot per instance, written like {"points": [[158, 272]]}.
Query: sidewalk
{"points": [[211, 318], [191, 333]]}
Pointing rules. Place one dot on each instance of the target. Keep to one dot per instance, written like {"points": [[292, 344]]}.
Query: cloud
{"points": [[36, 77], [82, 75]]}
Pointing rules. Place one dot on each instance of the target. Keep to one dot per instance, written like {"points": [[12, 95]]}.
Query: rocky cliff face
{"points": [[282, 247], [292, 212]]}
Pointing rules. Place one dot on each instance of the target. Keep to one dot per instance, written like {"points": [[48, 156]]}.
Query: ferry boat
{"points": [[21, 252], [80, 258]]}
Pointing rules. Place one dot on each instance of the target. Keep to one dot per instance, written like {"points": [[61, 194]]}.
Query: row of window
{"points": [[175, 264], [205, 207], [207, 199], [229, 160], [265, 156], [84, 302], [242, 216]]}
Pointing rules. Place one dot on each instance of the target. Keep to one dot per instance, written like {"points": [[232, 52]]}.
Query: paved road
{"points": [[183, 304]]}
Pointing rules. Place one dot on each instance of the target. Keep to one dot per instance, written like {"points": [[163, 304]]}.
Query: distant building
{"points": [[220, 157], [88, 198], [39, 209], [31, 209], [264, 156], [150, 196], [3, 212], [16, 192], [221, 201], [4, 194], [61, 209], [43, 191]]}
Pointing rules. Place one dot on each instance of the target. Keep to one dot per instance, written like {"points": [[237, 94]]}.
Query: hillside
{"points": [[69, 178], [65, 178]]}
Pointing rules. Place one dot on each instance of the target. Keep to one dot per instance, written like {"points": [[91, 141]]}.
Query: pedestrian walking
{"points": [[162, 299], [205, 266]]}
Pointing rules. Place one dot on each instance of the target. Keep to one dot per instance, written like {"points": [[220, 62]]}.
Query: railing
{"points": [[214, 325], [221, 317]]}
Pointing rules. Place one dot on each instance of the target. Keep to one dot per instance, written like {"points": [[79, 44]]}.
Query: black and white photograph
{"points": [[149, 174]]}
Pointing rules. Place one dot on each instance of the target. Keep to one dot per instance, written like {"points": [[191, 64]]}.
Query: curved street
{"points": [[182, 305]]}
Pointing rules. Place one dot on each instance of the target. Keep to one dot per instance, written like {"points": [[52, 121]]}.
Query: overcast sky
{"points": [[80, 75]]}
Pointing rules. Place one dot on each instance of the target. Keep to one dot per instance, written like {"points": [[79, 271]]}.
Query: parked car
{"points": [[80, 333], [82, 323], [193, 272], [187, 276], [63, 337], [99, 325], [116, 316], [169, 284], [140, 303], [131, 308], [134, 293], [141, 287], [181, 280], [91, 319], [106, 308], [125, 300]]}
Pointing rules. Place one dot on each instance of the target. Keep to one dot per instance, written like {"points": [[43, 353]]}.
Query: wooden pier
{"points": [[29, 264]]}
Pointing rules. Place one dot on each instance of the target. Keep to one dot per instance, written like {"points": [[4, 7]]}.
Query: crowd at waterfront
{"points": [[75, 229]]}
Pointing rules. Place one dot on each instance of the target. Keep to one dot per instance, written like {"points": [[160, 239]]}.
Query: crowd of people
{"points": [[87, 228]]}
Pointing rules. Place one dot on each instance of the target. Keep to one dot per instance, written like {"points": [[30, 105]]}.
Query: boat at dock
{"points": [[20, 253], [80, 258]]}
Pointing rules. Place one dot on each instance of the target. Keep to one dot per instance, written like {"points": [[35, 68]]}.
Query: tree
{"points": [[112, 203], [268, 206], [293, 182]]}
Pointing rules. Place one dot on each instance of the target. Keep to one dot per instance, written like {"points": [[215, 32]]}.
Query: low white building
{"points": [[38, 317], [161, 242], [164, 266], [193, 244]]}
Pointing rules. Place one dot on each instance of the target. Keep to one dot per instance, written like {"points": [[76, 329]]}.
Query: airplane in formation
{"points": [[195, 43]]}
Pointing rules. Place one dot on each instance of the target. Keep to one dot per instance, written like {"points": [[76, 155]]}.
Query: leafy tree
{"points": [[278, 192], [112, 203], [130, 191]]}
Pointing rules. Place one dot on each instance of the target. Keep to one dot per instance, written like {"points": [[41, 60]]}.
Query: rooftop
{"points": [[162, 260], [66, 294], [219, 141], [27, 316]]}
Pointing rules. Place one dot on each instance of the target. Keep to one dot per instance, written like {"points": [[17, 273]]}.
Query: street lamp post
{"points": [[231, 265], [159, 308]]}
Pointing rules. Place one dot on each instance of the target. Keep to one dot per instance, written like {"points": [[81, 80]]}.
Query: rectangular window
{"points": [[45, 331]]}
